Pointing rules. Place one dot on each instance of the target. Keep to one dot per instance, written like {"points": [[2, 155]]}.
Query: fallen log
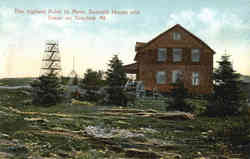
{"points": [[168, 115]]}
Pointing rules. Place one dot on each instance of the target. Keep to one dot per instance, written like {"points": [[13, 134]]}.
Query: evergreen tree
{"points": [[179, 93], [92, 79], [92, 82], [47, 90], [75, 80], [228, 96], [116, 79]]}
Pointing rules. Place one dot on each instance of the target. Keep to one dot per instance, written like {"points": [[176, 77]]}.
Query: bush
{"points": [[179, 93], [237, 130], [91, 95], [198, 106]]}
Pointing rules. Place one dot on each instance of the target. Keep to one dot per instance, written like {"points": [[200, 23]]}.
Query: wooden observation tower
{"points": [[51, 62]]}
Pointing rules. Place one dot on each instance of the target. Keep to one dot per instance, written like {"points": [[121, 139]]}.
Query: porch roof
{"points": [[131, 68]]}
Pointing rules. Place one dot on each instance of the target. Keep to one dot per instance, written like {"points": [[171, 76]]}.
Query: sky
{"points": [[224, 25]]}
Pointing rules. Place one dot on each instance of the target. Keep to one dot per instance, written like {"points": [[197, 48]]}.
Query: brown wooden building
{"points": [[175, 53]]}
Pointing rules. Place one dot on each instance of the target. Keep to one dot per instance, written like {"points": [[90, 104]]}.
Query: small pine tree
{"points": [[47, 90], [228, 96], [92, 79], [75, 80], [179, 93], [116, 79]]}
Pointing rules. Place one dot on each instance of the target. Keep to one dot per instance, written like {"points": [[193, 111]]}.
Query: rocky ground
{"points": [[82, 130]]}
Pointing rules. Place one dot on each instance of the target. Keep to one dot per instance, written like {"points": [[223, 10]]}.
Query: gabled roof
{"points": [[177, 25]]}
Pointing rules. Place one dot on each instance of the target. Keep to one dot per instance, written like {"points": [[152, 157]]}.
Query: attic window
{"points": [[195, 55], [176, 36], [162, 54]]}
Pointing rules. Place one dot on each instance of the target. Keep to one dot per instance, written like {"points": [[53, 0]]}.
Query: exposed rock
{"points": [[5, 155], [201, 158], [2, 135], [138, 153], [223, 157], [178, 131], [61, 129], [99, 132], [15, 87], [6, 142], [169, 115], [177, 115], [204, 133], [36, 119], [151, 111], [210, 131], [167, 145], [4, 113], [67, 119], [18, 148], [148, 130], [122, 122], [85, 103], [27, 102], [25, 92], [38, 113], [132, 152], [63, 154], [124, 110]]}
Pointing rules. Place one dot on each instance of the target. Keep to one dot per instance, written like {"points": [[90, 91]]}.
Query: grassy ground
{"points": [[15, 81], [62, 131]]}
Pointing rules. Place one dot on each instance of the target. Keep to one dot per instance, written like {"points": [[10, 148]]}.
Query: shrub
{"points": [[91, 95], [198, 106], [237, 130], [179, 93]]}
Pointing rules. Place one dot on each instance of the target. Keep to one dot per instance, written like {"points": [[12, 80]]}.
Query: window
{"points": [[162, 54], [195, 79], [195, 55], [177, 54], [161, 77], [176, 36], [176, 75]]}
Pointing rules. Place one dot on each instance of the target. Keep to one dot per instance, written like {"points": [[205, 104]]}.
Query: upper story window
{"points": [[177, 54], [162, 54], [176, 75], [195, 79], [196, 55], [161, 77], [176, 36]]}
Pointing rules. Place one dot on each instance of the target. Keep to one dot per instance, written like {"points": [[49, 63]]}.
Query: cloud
{"points": [[206, 15], [91, 49], [94, 47], [220, 30]]}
